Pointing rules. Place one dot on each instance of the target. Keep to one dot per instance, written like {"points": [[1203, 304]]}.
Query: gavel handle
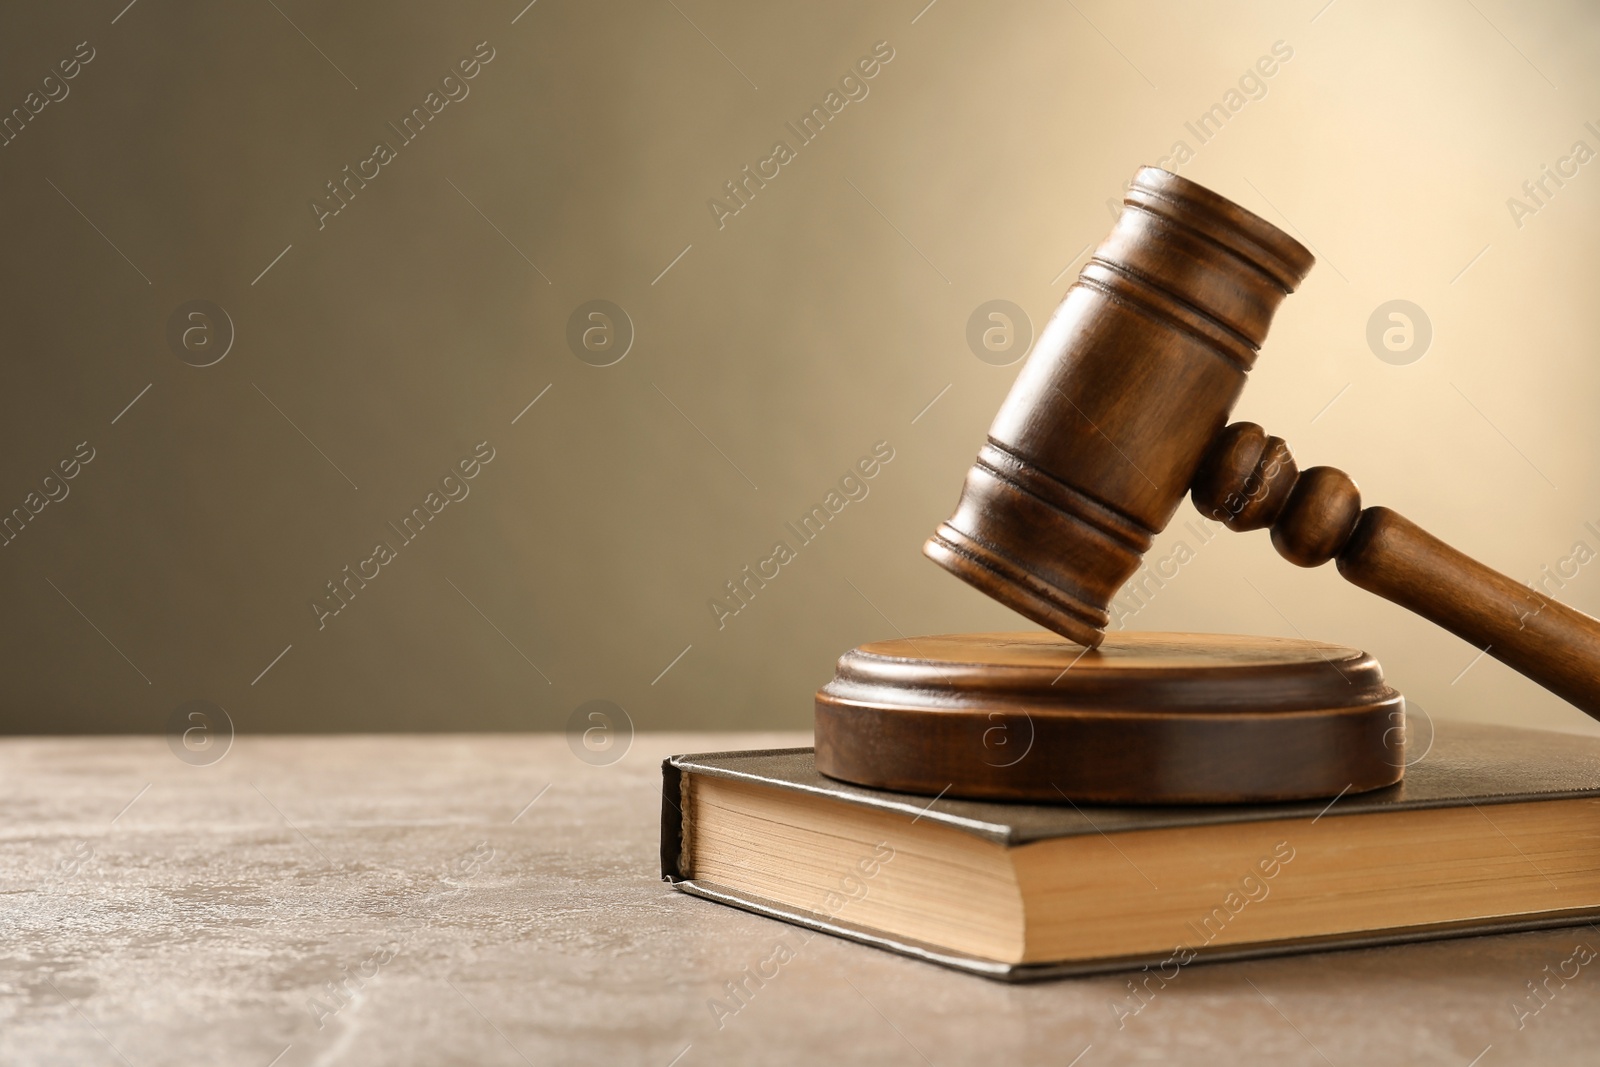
{"points": [[1554, 645], [1249, 480]]}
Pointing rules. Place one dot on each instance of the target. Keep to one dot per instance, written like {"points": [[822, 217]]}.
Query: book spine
{"points": [[671, 822]]}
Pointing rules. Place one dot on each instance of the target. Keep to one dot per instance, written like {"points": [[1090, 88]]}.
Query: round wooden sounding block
{"points": [[1146, 718]]}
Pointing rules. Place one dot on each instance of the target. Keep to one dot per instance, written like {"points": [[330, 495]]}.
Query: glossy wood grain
{"points": [[1121, 409], [1250, 481], [1126, 389], [1145, 718]]}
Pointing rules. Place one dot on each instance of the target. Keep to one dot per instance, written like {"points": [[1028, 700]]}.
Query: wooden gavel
{"points": [[1121, 409]]}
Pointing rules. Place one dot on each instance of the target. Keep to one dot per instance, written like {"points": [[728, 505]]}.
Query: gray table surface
{"points": [[160, 913]]}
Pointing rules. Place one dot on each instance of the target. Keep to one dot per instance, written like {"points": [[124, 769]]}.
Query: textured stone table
{"points": [[494, 900]]}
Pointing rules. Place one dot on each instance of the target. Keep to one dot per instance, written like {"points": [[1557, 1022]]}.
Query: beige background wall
{"points": [[823, 318]]}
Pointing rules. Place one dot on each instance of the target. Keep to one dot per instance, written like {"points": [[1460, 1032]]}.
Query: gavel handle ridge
{"points": [[1248, 481]]}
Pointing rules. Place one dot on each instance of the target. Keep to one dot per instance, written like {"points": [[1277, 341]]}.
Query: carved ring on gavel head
{"points": [[1122, 408]]}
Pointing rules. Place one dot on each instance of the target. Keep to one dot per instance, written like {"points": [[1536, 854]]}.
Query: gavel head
{"points": [[1126, 389]]}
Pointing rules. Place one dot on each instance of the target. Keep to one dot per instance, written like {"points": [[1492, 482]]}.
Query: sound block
{"points": [[1145, 718]]}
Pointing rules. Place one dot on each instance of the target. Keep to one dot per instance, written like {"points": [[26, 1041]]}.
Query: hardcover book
{"points": [[1493, 829]]}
